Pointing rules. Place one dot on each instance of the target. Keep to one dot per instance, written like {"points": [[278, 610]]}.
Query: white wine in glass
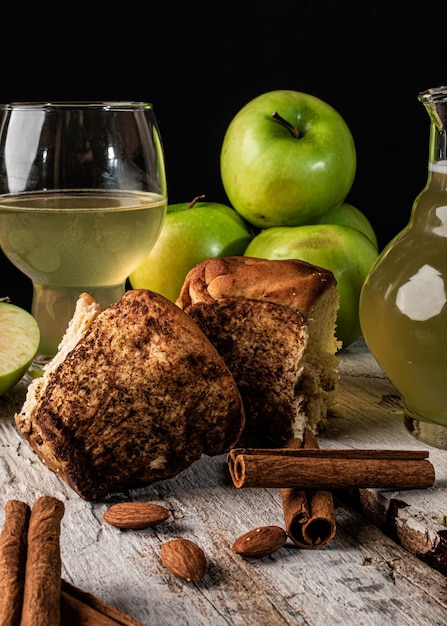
{"points": [[82, 201]]}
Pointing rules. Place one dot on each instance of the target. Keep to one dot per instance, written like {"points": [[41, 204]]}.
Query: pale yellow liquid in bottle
{"points": [[403, 306], [72, 242]]}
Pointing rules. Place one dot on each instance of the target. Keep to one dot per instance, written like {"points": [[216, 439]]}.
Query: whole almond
{"points": [[184, 559], [260, 542], [135, 515]]}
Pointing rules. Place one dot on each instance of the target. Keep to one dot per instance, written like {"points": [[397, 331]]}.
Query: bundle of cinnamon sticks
{"points": [[32, 592], [309, 515], [306, 476]]}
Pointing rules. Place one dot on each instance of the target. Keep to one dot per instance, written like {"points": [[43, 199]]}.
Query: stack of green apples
{"points": [[288, 162]]}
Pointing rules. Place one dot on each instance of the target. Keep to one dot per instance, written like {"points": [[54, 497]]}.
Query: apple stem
{"points": [[196, 199], [290, 127]]}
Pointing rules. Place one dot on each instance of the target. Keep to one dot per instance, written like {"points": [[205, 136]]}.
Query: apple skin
{"points": [[191, 233], [348, 215], [274, 179], [347, 252], [20, 334]]}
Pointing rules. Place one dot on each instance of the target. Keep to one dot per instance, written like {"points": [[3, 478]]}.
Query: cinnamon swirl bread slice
{"points": [[137, 393], [273, 322]]}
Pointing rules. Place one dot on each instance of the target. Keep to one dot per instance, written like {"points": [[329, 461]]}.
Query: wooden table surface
{"points": [[363, 576]]}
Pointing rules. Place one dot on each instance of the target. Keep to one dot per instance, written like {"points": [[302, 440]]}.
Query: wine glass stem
{"points": [[53, 308]]}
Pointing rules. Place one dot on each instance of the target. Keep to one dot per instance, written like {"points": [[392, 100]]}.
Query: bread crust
{"points": [[139, 398], [289, 282]]}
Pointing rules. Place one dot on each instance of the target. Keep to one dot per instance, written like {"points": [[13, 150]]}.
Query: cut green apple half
{"points": [[19, 341]]}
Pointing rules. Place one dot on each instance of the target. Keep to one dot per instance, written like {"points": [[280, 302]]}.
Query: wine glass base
{"points": [[428, 432], [36, 368]]}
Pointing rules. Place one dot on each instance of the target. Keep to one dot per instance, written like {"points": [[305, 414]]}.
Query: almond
{"points": [[184, 559], [260, 542], [135, 515]]}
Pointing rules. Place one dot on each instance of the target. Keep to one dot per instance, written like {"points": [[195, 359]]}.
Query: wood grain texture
{"points": [[361, 578]]}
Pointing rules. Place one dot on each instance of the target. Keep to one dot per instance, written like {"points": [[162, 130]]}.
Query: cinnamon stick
{"points": [[13, 540], [82, 608], [31, 589], [309, 515], [329, 469], [41, 597]]}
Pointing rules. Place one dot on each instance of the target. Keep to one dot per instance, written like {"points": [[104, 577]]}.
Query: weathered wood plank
{"points": [[361, 578], [375, 418]]}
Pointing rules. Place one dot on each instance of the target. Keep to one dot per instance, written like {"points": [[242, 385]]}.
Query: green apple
{"points": [[346, 214], [19, 341], [287, 158], [347, 252], [191, 233]]}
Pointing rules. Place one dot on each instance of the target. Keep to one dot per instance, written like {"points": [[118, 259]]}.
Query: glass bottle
{"points": [[403, 304]]}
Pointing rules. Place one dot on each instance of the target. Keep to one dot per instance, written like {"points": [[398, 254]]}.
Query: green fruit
{"points": [[191, 233], [348, 215], [19, 341], [347, 252], [287, 158]]}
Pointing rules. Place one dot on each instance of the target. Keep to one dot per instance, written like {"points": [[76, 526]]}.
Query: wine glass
{"points": [[82, 201]]}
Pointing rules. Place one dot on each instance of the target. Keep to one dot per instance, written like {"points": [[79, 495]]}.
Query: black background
{"points": [[199, 63]]}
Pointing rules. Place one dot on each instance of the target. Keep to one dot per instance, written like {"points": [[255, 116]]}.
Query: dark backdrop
{"points": [[199, 63]]}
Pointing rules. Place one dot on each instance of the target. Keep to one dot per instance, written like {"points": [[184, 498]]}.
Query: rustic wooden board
{"points": [[362, 577], [416, 519]]}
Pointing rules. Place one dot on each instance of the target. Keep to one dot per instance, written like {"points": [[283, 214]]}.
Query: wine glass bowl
{"points": [[82, 201]]}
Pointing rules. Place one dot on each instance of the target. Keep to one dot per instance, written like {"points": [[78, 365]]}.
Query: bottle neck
{"points": [[437, 161]]}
